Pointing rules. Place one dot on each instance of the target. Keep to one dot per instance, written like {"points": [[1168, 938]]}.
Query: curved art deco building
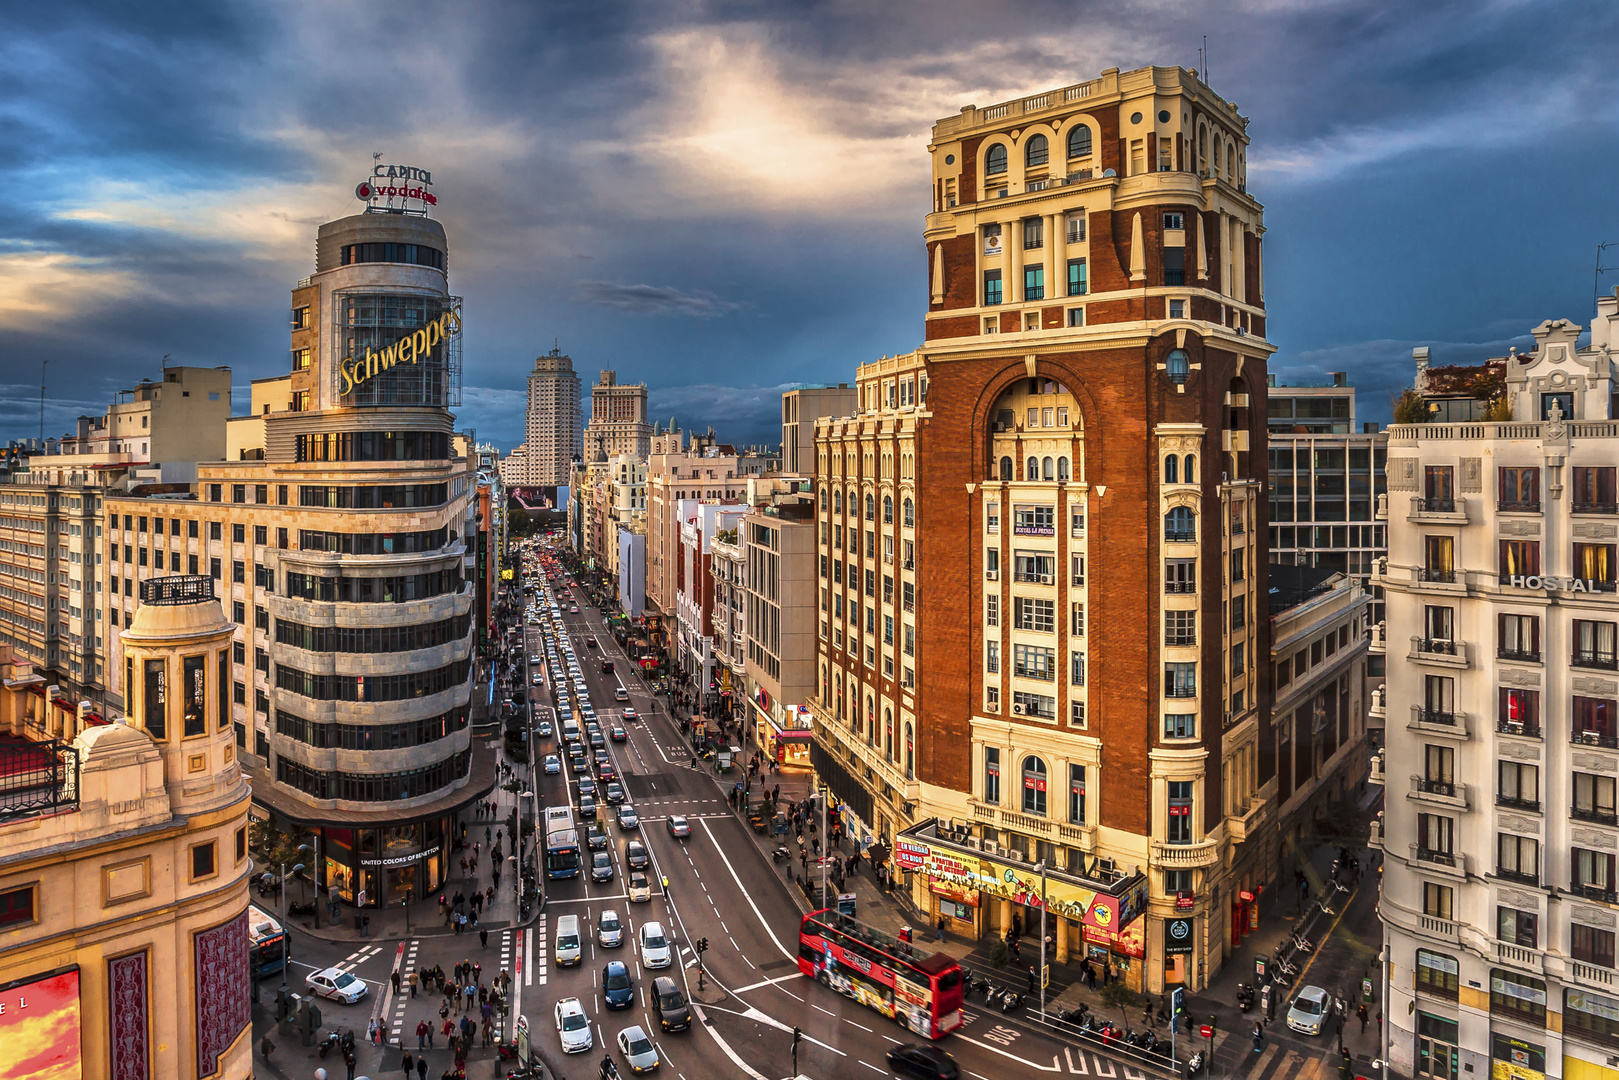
{"points": [[340, 536]]}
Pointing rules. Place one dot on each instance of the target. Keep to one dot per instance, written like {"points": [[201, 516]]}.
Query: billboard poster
{"points": [[39, 1028]]}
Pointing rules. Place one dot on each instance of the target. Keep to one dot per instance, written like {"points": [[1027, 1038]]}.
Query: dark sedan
{"points": [[923, 1062], [618, 988]]}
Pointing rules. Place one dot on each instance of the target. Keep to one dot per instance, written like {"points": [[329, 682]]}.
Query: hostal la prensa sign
{"points": [[407, 350]]}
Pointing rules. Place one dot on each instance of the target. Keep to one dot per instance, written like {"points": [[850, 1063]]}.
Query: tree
{"points": [[1116, 995], [1410, 408], [997, 953]]}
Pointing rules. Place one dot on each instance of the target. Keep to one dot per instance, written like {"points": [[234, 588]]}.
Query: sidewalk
{"points": [[889, 910]]}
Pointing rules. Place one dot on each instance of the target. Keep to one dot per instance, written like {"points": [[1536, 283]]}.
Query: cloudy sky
{"points": [[725, 199]]}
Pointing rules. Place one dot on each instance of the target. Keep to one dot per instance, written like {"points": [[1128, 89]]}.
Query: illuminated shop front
{"points": [[399, 862]]}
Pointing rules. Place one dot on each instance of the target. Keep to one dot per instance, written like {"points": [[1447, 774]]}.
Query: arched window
{"points": [[1079, 142], [910, 514], [1179, 524], [910, 753], [888, 733], [823, 498], [1033, 471], [1171, 468], [1038, 151], [1034, 785], [837, 502], [1191, 464], [1006, 468], [1230, 162], [1062, 468], [995, 160], [871, 719], [1048, 469], [888, 510], [871, 508]]}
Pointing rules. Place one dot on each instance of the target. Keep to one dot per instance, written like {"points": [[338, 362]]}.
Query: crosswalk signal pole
{"points": [[797, 1035]]}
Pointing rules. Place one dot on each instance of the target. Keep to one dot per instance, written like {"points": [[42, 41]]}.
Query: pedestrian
{"points": [[421, 1068], [477, 973], [412, 981], [941, 927], [1146, 1009], [394, 976], [447, 1030], [348, 1062], [407, 1064], [483, 939], [1360, 1012], [371, 1032], [1259, 1038], [1032, 979], [422, 1032], [471, 993]]}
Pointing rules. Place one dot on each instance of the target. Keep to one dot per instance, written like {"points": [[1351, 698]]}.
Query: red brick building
{"points": [[1043, 569]]}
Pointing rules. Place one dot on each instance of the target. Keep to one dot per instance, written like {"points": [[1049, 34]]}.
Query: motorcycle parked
{"points": [[342, 1041], [1010, 1000], [1194, 1064]]}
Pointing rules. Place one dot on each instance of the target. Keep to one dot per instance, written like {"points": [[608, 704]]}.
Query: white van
{"points": [[570, 730], [567, 940]]}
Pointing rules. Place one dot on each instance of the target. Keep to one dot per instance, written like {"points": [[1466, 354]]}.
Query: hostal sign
{"points": [[410, 349]]}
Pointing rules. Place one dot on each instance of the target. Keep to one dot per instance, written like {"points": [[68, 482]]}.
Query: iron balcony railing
{"points": [[1526, 655], [37, 778], [1428, 573], [1595, 814], [1436, 506], [1591, 658]]}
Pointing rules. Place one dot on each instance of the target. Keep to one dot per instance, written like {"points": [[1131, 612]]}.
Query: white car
{"points": [[609, 931], [655, 951], [638, 1050], [337, 984], [573, 1026], [1310, 1011]]}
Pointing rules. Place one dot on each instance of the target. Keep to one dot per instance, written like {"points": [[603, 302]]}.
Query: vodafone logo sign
{"points": [[390, 182]]}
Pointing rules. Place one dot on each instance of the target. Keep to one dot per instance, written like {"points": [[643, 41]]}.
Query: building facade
{"points": [[1499, 896], [618, 423], [344, 551], [52, 579], [799, 410], [1075, 446], [552, 432], [124, 866], [779, 558]]}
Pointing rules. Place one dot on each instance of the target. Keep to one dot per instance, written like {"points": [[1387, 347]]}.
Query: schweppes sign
{"points": [[353, 372]]}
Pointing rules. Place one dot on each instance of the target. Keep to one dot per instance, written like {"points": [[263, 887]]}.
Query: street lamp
{"points": [[1041, 866]]}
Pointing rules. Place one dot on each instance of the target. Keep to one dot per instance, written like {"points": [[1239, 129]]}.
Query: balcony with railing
{"points": [[1444, 725], [1594, 891], [1518, 955], [1439, 510], [1446, 793], [37, 778], [1376, 775], [1522, 729], [1438, 651], [1583, 507], [1518, 506], [1520, 877], [1596, 815], [1600, 659], [1250, 823], [1515, 802], [1185, 856], [1521, 656], [1594, 737], [1434, 575], [1440, 861]]}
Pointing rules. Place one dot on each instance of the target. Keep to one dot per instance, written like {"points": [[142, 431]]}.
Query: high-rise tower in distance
{"points": [[554, 437]]}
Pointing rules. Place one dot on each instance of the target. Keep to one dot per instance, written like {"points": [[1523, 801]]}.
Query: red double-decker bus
{"points": [[920, 991]]}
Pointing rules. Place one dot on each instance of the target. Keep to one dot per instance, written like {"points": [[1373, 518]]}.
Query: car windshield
{"points": [[343, 980], [617, 980], [641, 1045], [670, 1000], [601, 858], [609, 922], [574, 1021], [1308, 1005], [655, 941], [637, 881]]}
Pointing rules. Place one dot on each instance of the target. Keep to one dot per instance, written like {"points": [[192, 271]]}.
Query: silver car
{"points": [[638, 1051], [609, 931]]}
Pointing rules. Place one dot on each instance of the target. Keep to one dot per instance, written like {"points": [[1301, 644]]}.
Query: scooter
{"points": [[1194, 1064], [1010, 1000], [343, 1041], [779, 854], [982, 987], [1245, 997]]}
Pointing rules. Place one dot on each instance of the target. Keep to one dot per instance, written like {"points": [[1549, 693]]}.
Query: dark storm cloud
{"points": [[726, 198], [652, 299]]}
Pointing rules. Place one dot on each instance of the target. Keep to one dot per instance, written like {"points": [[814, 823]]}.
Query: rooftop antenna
{"points": [[1596, 280], [1206, 62], [42, 365], [166, 362]]}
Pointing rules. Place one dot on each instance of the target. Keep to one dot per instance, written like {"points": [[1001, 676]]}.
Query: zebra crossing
{"points": [[408, 965]]}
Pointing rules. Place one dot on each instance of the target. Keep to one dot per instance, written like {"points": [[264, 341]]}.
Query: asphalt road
{"points": [[722, 888]]}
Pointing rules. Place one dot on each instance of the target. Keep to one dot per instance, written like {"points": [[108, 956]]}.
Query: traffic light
{"points": [[701, 946], [1177, 1002], [798, 1036]]}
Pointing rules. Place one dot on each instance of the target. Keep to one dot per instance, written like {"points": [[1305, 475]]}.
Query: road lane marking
{"points": [[768, 982], [874, 1068], [1053, 1067], [862, 1027], [745, 894]]}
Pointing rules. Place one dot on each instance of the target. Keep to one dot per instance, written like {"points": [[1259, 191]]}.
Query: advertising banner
{"points": [[40, 1027], [1108, 915]]}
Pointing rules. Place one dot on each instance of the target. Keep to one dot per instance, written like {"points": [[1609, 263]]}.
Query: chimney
{"points": [[1339, 378]]}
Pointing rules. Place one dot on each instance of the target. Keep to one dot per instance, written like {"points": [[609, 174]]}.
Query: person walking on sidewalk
{"points": [[421, 1067], [483, 938], [394, 976], [1259, 1037], [407, 1065], [1360, 1013], [422, 1032]]}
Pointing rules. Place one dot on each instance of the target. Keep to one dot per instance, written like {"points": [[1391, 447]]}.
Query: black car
{"points": [[923, 1061], [618, 988], [635, 855], [670, 1005]]}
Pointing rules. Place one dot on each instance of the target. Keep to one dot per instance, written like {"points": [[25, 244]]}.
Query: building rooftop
{"points": [[1291, 586]]}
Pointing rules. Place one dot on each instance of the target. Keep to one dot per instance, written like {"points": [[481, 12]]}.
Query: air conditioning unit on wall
{"points": [[1017, 708], [992, 575]]}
